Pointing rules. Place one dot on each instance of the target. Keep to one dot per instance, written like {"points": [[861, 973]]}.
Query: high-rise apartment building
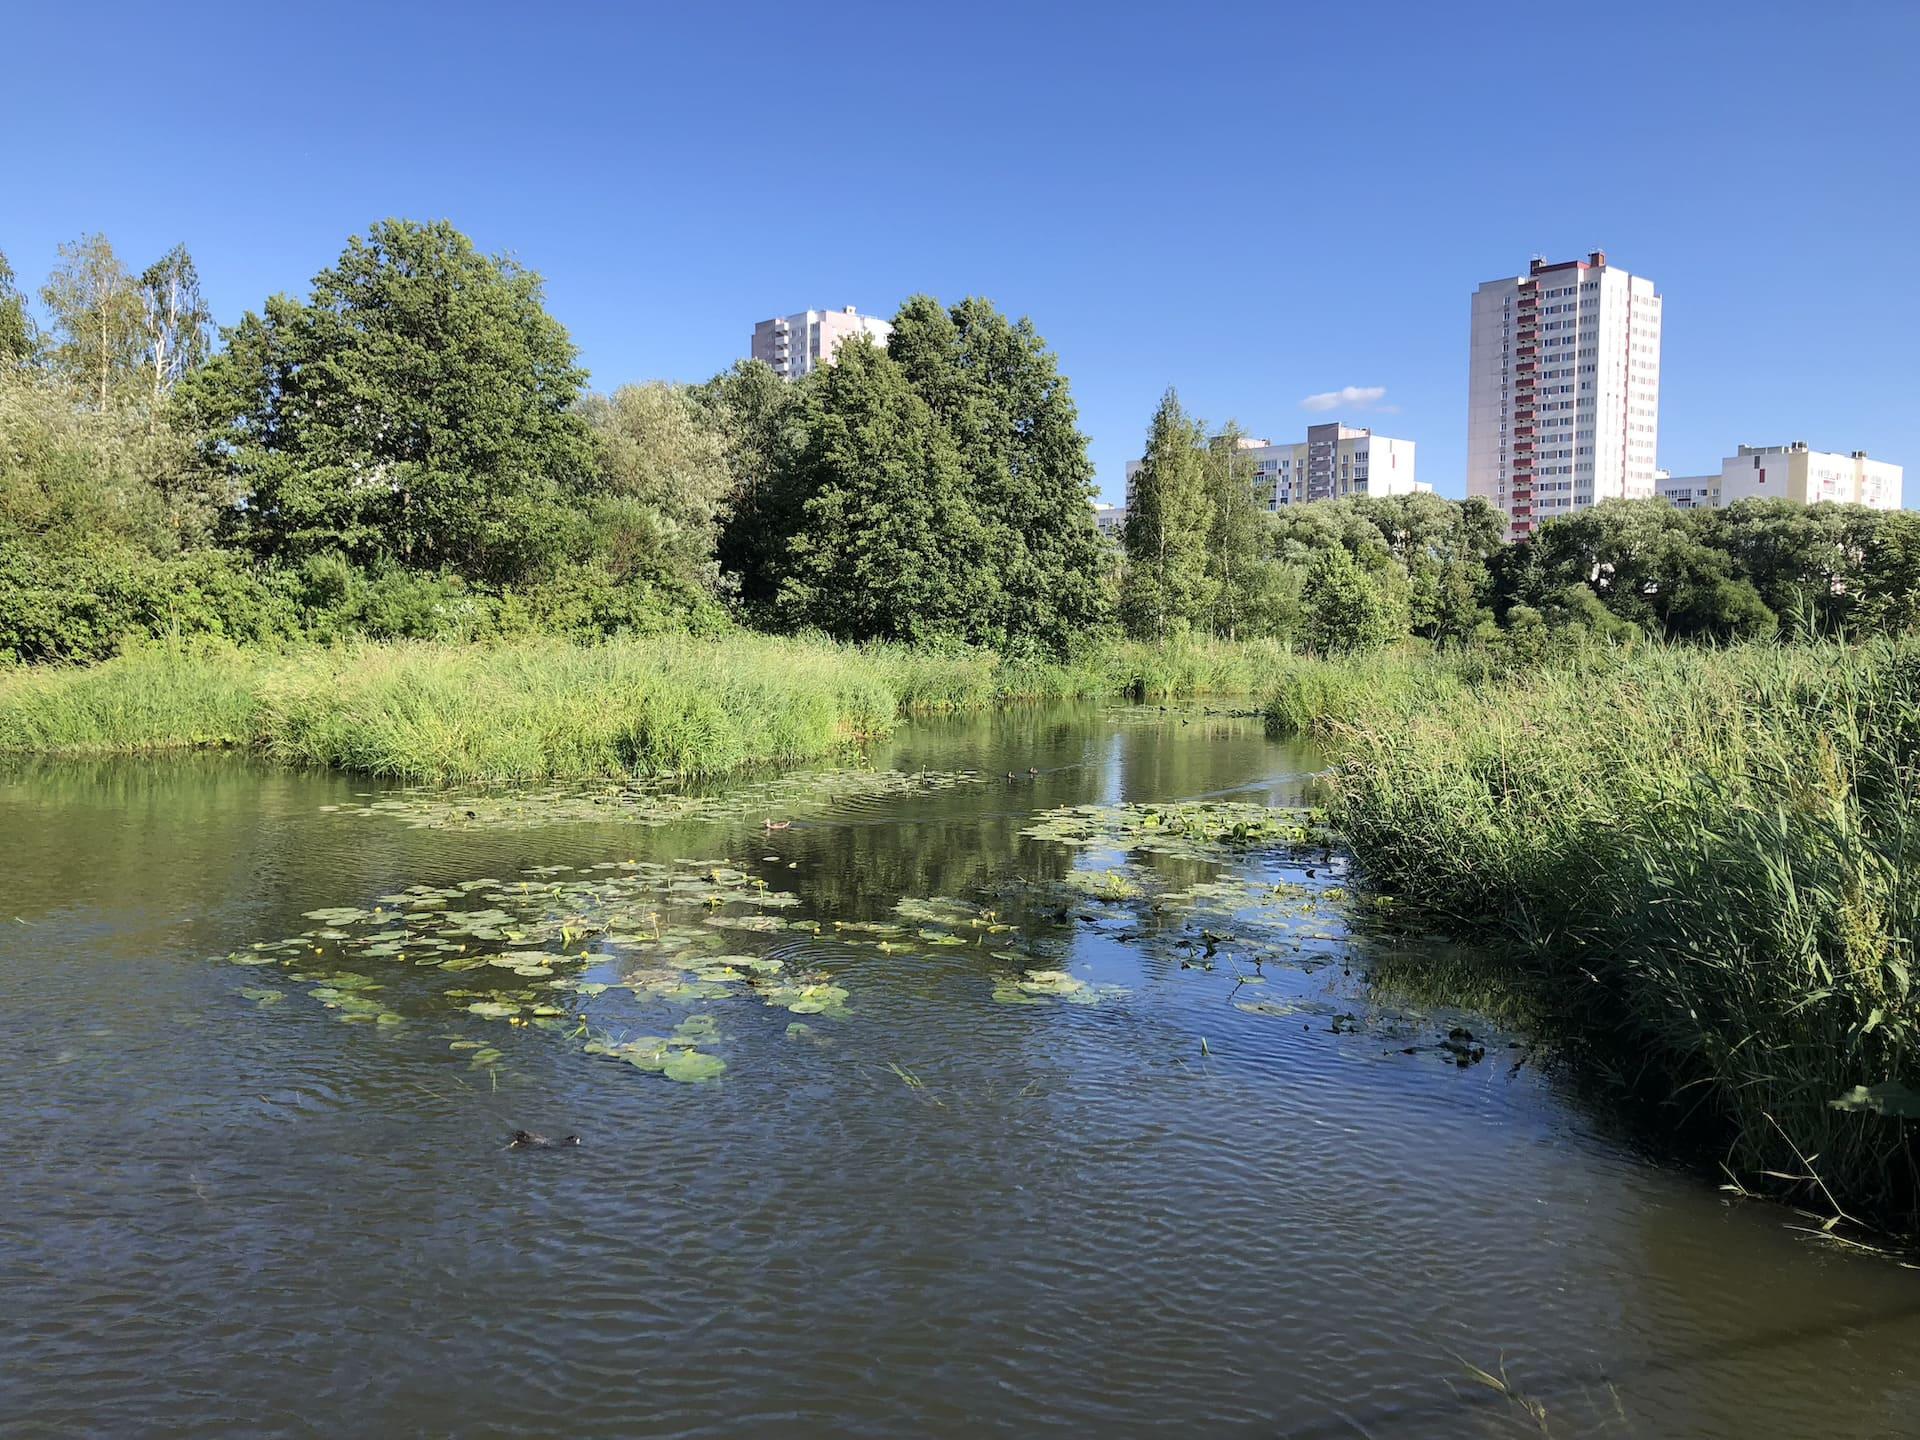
{"points": [[1790, 472], [795, 344], [1334, 460], [1563, 390]]}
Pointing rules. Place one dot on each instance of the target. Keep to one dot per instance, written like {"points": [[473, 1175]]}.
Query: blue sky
{"points": [[1253, 202]]}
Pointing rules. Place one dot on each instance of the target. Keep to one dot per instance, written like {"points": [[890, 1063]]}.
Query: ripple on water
{"points": [[218, 1217]]}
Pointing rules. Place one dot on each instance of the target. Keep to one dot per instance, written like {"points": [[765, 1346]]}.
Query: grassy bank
{"points": [[1711, 859], [547, 708]]}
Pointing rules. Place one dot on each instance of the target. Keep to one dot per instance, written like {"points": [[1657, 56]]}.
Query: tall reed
{"points": [[1711, 857]]}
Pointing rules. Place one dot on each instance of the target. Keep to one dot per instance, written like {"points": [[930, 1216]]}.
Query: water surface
{"points": [[939, 1215]]}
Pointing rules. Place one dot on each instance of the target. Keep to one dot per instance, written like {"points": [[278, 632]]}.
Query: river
{"points": [[1079, 1139]]}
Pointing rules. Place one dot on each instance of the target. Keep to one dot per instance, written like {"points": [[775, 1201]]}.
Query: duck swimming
{"points": [[527, 1140]]}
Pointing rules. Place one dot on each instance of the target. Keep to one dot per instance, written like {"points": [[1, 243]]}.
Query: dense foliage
{"points": [[411, 451], [936, 489], [421, 408]]}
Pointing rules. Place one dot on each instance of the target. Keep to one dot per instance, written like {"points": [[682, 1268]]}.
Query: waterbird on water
{"points": [[527, 1140]]}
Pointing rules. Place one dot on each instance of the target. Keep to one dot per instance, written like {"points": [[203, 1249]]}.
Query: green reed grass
{"points": [[545, 708], [1307, 696], [1712, 857]]}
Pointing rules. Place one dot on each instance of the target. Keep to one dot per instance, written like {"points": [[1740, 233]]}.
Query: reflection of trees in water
{"points": [[200, 853], [173, 835]]}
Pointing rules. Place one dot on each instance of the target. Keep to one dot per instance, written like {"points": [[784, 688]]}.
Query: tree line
{"points": [[1336, 576], [412, 449]]}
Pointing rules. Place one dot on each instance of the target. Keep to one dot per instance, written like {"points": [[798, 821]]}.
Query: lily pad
{"points": [[692, 1066]]}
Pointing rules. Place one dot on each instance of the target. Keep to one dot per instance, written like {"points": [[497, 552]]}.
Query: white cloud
{"points": [[1350, 397]]}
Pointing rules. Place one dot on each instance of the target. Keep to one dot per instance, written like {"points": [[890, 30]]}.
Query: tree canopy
{"points": [[410, 450], [420, 406]]}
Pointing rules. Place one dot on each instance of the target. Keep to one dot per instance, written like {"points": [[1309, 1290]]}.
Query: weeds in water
{"points": [[1533, 1410]]}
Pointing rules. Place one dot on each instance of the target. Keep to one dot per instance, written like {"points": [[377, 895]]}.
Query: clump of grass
{"points": [[540, 709], [151, 697], [1310, 696], [1709, 856]]}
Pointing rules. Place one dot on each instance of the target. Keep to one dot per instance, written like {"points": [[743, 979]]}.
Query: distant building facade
{"points": [[1790, 472], [1110, 519], [1563, 390], [795, 344], [1334, 461]]}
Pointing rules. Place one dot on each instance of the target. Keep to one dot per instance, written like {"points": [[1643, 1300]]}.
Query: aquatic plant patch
{"points": [[1196, 830], [587, 952], [651, 803]]}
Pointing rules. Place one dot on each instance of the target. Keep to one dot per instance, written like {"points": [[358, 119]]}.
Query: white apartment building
{"points": [[1790, 472], [795, 344], [1563, 390], [1687, 492], [1111, 519], [1334, 460]]}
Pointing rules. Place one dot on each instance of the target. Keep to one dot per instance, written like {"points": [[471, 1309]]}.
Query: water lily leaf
{"points": [[1051, 982], [1265, 1007], [262, 996], [696, 1028], [692, 1066]]}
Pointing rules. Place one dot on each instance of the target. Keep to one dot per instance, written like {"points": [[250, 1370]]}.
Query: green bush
{"points": [[80, 602]]}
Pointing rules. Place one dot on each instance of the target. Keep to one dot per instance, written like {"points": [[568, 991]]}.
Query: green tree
{"points": [[758, 418], [888, 545], [1238, 556], [19, 340], [1648, 565], [1344, 609], [421, 408], [95, 306], [663, 478], [175, 326], [1808, 563], [1892, 575], [1167, 587], [997, 391]]}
